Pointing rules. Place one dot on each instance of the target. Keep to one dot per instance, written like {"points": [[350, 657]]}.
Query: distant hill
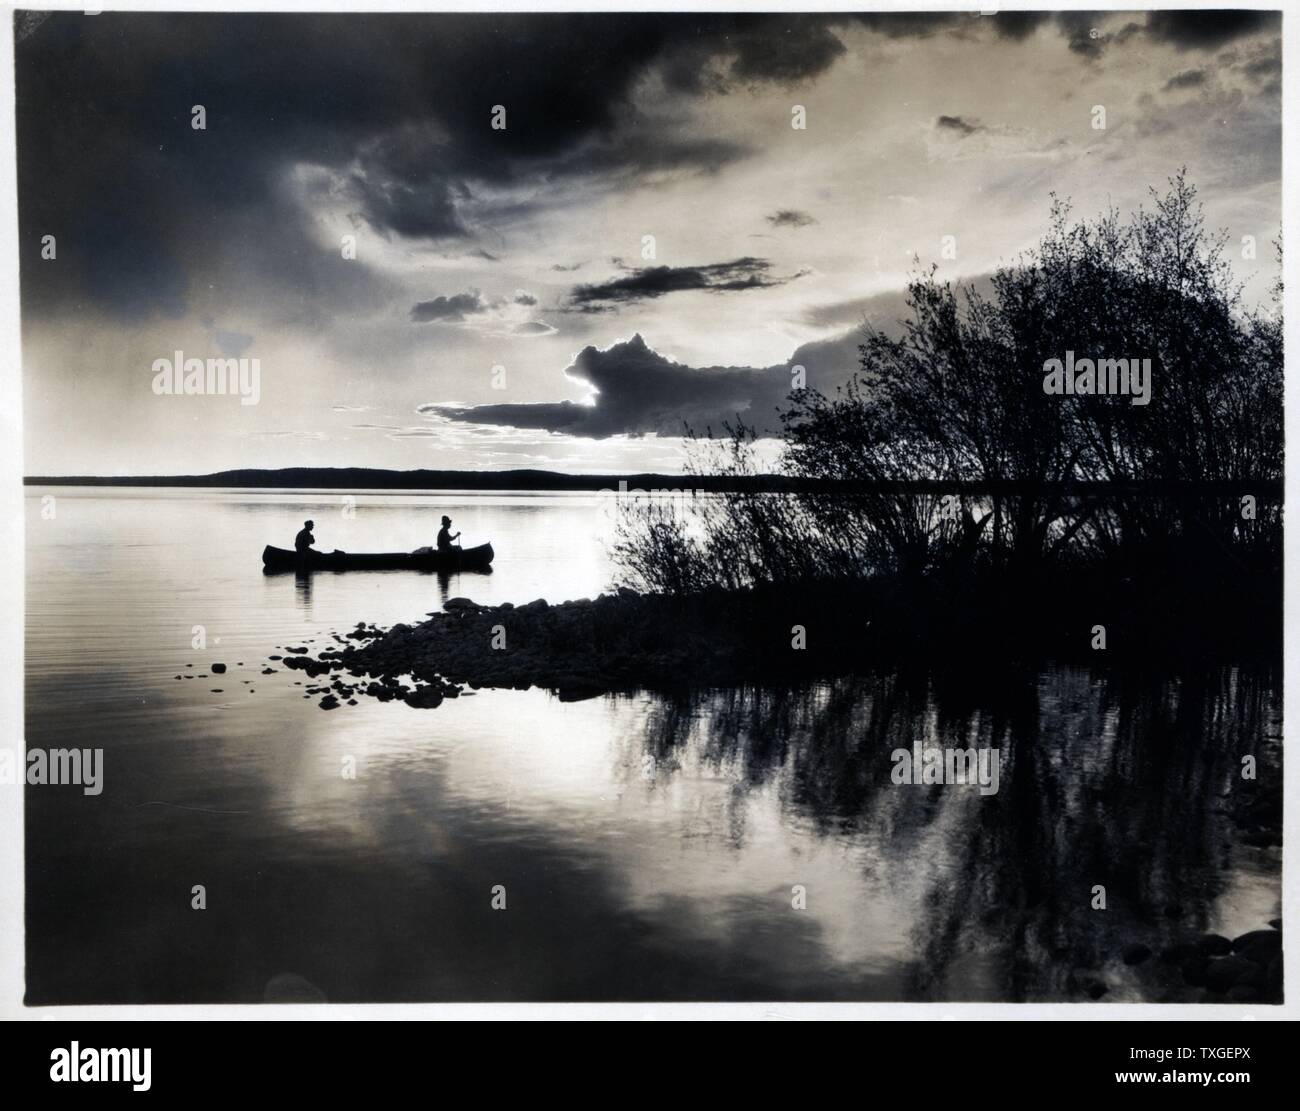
{"points": [[365, 478]]}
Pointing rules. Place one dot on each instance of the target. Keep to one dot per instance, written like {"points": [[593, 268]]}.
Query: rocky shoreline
{"points": [[625, 640], [1245, 969], [578, 649]]}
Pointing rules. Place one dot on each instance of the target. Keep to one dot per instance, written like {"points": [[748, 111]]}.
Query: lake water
{"points": [[735, 844]]}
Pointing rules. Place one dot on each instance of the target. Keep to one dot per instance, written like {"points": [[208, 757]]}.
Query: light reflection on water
{"points": [[648, 844]]}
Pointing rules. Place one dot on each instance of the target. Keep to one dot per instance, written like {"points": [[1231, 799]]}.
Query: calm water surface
{"points": [[649, 845]]}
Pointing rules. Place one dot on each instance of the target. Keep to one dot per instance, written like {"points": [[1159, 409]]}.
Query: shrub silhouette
{"points": [[944, 459]]}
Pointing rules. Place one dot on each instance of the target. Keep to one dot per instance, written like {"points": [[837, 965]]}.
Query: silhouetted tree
{"points": [[959, 397]]}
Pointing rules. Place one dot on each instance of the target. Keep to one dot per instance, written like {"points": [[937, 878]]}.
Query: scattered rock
{"points": [[1271, 938], [1094, 989], [329, 702], [307, 664], [1259, 946], [424, 697], [1213, 945], [1224, 972]]}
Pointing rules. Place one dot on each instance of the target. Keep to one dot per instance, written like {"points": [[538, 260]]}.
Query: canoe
{"points": [[451, 559]]}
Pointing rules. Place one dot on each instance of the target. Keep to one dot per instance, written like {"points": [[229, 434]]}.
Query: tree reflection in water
{"points": [[1128, 781]]}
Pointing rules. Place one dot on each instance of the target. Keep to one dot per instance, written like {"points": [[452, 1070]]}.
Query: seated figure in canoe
{"points": [[445, 539], [302, 546], [444, 535]]}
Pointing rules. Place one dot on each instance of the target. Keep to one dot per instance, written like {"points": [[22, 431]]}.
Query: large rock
{"points": [[1272, 939], [424, 698], [451, 605], [1223, 973], [1259, 946]]}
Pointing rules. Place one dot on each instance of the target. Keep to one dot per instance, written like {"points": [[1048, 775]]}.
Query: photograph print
{"points": [[629, 507]]}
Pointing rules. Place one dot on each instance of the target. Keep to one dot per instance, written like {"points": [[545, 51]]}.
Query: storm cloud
{"points": [[1206, 29], [658, 281], [637, 391], [393, 113], [391, 109], [449, 310]]}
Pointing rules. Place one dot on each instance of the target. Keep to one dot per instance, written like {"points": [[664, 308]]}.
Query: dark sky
{"points": [[504, 308]]}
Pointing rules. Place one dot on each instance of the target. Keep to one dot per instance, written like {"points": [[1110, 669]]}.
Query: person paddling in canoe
{"points": [[302, 544], [444, 535]]}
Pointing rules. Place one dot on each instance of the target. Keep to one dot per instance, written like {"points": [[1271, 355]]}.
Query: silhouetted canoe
{"points": [[451, 559]]}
